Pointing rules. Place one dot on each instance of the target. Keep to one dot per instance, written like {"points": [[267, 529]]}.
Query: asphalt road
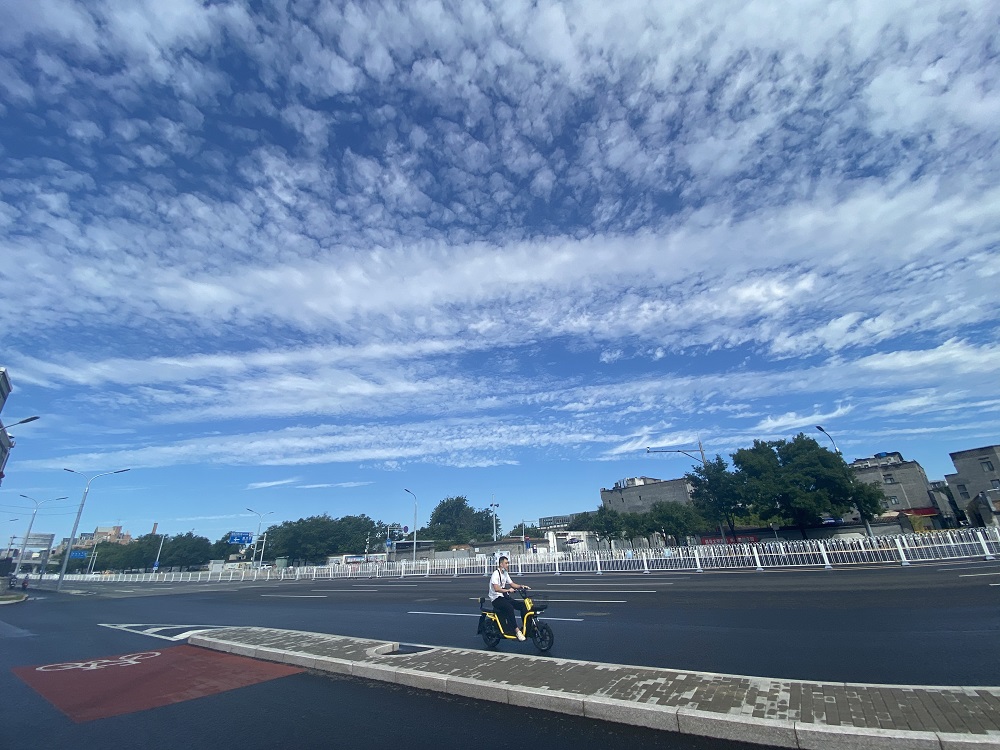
{"points": [[918, 625]]}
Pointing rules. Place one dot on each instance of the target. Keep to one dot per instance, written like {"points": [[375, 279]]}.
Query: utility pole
{"points": [[704, 463]]}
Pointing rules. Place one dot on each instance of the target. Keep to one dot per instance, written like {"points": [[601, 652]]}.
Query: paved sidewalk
{"points": [[781, 713]]}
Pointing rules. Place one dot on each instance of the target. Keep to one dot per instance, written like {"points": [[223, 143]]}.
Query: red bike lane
{"points": [[127, 683]]}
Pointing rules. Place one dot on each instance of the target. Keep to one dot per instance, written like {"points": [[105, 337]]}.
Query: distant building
{"points": [[903, 483], [975, 485], [640, 494]]}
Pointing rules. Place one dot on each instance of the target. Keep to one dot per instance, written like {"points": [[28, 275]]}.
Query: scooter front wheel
{"points": [[491, 633], [543, 636]]}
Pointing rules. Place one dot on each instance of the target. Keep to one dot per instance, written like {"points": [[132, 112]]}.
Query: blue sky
{"points": [[299, 257]]}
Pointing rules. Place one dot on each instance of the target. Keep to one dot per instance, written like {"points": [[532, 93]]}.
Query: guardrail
{"points": [[982, 543]]}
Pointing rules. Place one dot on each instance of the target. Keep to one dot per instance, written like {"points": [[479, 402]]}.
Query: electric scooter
{"points": [[491, 629]]}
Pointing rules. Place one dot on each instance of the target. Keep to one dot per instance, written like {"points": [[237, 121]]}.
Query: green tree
{"points": [[798, 481], [183, 551], [222, 549], [676, 520], [454, 521], [714, 493]]}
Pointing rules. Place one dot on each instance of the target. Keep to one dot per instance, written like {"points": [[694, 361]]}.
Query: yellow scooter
{"points": [[491, 629]]}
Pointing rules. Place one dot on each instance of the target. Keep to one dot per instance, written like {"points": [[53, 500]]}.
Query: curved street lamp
{"points": [[24, 544], [15, 424], [414, 526], [76, 523], [9, 440], [835, 448], [260, 520]]}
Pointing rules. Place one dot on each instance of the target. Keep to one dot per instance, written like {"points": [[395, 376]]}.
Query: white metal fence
{"points": [[905, 549]]}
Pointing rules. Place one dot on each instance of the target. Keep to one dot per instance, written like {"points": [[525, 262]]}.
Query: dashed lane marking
{"points": [[476, 614]]}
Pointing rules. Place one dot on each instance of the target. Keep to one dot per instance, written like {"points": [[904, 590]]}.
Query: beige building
{"points": [[975, 485], [904, 485], [640, 494]]}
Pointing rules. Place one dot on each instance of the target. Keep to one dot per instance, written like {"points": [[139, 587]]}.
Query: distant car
{"points": [[833, 521]]}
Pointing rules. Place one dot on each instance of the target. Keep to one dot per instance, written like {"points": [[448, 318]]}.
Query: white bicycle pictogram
{"points": [[127, 660]]}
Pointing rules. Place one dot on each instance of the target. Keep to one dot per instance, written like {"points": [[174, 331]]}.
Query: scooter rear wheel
{"points": [[543, 636], [491, 633]]}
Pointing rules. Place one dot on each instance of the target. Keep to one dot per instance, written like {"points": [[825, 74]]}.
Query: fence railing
{"points": [[980, 543]]}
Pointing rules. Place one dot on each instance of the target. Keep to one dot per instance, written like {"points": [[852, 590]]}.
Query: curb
{"points": [[682, 720], [13, 599]]}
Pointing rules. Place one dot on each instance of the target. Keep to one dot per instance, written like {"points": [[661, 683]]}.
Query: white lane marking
{"points": [[974, 575], [591, 601], [617, 591], [344, 591], [388, 585], [156, 631], [293, 596], [468, 614], [973, 564], [594, 583]]}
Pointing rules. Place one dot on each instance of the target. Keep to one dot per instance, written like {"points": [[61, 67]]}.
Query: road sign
{"points": [[388, 544], [240, 537], [77, 554]]}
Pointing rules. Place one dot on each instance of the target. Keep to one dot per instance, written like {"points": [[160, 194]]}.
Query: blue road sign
{"points": [[77, 554], [240, 537]]}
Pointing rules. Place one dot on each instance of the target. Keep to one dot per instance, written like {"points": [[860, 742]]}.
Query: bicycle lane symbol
{"points": [[127, 660], [99, 688]]}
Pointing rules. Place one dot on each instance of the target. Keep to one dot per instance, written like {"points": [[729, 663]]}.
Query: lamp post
{"points": [[37, 503], [704, 463], [414, 526], [76, 523], [493, 508], [260, 520], [868, 526], [9, 439], [15, 424], [156, 562], [835, 448]]}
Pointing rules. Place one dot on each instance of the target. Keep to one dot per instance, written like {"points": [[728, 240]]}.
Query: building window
{"points": [[986, 464], [893, 500], [887, 478], [963, 491], [995, 483]]}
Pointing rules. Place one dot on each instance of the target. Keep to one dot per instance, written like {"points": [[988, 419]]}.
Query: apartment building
{"points": [[975, 485], [904, 485], [976, 470]]}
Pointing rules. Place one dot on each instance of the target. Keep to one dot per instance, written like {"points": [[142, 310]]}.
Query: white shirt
{"points": [[499, 578]]}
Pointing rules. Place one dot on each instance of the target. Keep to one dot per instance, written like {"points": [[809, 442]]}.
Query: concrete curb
{"points": [[683, 720]]}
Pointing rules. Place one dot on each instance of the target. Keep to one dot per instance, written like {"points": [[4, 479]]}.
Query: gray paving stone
{"points": [[775, 712]]}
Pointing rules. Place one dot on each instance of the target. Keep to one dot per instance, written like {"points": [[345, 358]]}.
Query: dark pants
{"points": [[504, 606]]}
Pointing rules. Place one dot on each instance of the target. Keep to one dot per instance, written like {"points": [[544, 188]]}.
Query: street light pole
{"points": [[835, 448], [15, 424], [20, 555], [76, 523], [704, 463], [10, 440], [868, 526], [256, 539], [493, 507], [414, 526], [156, 562]]}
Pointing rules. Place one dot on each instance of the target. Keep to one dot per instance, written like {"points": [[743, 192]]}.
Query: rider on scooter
{"points": [[501, 584]]}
